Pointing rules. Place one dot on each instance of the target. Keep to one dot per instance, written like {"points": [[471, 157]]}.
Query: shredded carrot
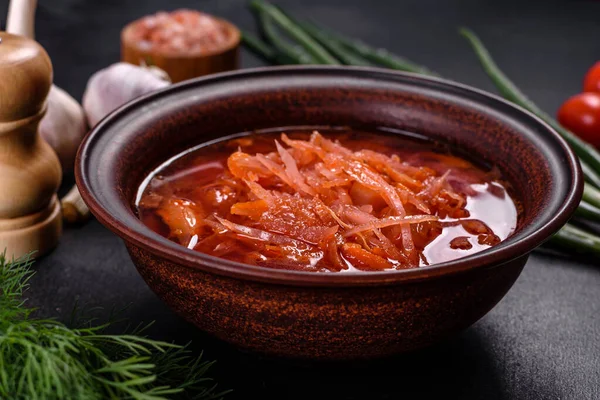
{"points": [[363, 259], [389, 221], [364, 178]]}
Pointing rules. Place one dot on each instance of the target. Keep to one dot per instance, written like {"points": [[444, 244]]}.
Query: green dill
{"points": [[45, 359]]}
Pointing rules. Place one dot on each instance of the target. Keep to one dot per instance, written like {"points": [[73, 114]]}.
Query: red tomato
{"points": [[581, 115], [592, 79]]}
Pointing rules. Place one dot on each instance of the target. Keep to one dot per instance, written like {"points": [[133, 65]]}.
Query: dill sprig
{"points": [[45, 359]]}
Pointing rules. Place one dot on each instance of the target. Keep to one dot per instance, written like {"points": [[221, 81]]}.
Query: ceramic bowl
{"points": [[327, 316]]}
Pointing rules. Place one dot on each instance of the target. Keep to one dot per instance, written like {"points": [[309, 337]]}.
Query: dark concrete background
{"points": [[541, 342]]}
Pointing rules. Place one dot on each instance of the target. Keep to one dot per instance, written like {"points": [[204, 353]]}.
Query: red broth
{"points": [[337, 201]]}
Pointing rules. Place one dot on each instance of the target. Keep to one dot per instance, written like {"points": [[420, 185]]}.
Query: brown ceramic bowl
{"points": [[327, 315]]}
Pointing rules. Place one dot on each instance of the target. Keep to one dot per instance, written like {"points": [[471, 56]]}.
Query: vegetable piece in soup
{"points": [[337, 202]]}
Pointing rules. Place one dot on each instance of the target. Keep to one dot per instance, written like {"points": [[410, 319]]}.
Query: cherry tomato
{"points": [[581, 115], [591, 82]]}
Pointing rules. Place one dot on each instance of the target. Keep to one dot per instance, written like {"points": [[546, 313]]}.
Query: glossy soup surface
{"points": [[334, 201]]}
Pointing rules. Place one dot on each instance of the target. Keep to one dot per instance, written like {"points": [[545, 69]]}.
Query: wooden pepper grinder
{"points": [[30, 172]]}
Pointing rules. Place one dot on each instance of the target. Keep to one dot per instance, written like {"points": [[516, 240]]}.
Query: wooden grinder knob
{"points": [[30, 171]]}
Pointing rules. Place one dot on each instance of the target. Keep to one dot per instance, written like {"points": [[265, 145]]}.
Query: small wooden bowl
{"points": [[185, 66], [327, 316]]}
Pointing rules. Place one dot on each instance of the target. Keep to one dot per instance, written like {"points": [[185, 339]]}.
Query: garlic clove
{"points": [[63, 126], [116, 85], [107, 90]]}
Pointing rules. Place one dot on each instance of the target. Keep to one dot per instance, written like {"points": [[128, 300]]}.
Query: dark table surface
{"points": [[541, 342]]}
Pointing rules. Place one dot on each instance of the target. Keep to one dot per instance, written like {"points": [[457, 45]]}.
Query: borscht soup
{"points": [[335, 200]]}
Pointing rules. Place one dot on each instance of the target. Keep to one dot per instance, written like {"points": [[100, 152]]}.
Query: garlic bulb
{"points": [[64, 125], [117, 84], [107, 90]]}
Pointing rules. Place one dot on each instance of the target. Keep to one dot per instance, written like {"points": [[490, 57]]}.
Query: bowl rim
{"points": [[195, 260]]}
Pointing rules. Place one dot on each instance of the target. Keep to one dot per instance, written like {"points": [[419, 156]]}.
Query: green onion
{"points": [[590, 176], [588, 212], [573, 239], [591, 195], [320, 55], [295, 53], [333, 46], [378, 56], [265, 51], [258, 47]]}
